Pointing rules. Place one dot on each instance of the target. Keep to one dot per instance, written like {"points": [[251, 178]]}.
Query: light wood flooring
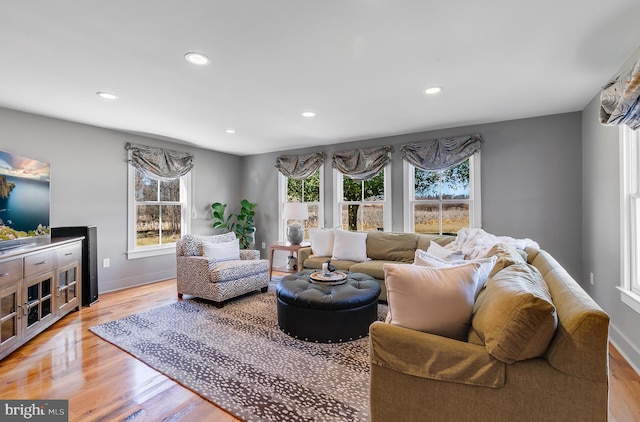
{"points": [[103, 383]]}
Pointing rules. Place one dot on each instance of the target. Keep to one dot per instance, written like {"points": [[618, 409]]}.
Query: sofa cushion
{"points": [[321, 241], [234, 270], [424, 240], [193, 243], [391, 246], [506, 255], [434, 300], [315, 263], [349, 246], [514, 316], [373, 268]]}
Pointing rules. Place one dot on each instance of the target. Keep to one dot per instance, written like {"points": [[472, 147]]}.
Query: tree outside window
{"points": [[362, 206], [442, 200], [307, 191], [158, 210]]}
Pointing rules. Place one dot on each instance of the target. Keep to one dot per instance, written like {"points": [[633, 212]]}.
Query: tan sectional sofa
{"points": [[382, 247], [417, 376]]}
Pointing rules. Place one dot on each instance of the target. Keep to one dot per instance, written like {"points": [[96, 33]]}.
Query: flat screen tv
{"points": [[25, 200]]}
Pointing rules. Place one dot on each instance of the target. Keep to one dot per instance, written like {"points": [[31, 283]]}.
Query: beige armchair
{"points": [[216, 280]]}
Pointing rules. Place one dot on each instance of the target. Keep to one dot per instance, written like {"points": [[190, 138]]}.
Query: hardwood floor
{"points": [[103, 383]]}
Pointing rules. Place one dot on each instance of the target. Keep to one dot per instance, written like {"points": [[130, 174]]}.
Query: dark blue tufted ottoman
{"points": [[326, 313]]}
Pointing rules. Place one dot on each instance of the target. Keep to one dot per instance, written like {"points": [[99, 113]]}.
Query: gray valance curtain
{"points": [[300, 166], [620, 99], [439, 154], [159, 163], [362, 164]]}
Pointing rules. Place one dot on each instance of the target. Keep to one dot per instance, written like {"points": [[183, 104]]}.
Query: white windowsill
{"points": [[630, 299], [146, 253]]}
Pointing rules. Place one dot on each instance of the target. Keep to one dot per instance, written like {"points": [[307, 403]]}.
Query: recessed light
{"points": [[433, 90], [230, 131], [197, 58], [106, 95], [309, 114]]}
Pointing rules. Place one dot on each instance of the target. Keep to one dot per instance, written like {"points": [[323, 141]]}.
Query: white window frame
{"points": [[630, 217], [474, 201], [339, 201], [282, 199], [136, 252]]}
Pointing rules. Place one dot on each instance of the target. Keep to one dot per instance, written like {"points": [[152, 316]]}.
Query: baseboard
{"points": [[629, 351], [125, 283]]}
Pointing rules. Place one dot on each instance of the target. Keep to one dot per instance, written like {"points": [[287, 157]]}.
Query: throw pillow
{"points": [[224, 251], [349, 246], [506, 255], [321, 241], [433, 300], [425, 259], [514, 315], [444, 253]]}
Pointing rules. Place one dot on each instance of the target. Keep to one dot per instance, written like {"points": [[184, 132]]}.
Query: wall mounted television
{"points": [[25, 201]]}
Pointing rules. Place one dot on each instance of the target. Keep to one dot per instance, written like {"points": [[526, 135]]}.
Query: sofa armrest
{"points": [[434, 357], [249, 254], [303, 254], [192, 271]]}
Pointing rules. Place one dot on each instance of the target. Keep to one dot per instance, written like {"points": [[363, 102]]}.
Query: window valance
{"points": [[439, 154], [362, 164], [160, 163], [300, 166], [620, 99]]}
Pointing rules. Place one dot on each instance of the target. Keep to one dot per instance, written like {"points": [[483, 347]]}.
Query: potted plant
{"points": [[242, 223]]}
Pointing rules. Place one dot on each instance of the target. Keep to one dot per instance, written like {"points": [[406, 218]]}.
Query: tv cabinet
{"points": [[38, 285]]}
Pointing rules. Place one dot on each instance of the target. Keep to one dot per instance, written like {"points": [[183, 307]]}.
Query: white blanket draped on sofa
{"points": [[475, 243]]}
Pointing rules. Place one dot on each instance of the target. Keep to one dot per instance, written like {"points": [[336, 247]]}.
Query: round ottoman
{"points": [[324, 313]]}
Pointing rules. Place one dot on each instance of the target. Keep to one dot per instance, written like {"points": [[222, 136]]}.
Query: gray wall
{"points": [[601, 229], [89, 186], [531, 182]]}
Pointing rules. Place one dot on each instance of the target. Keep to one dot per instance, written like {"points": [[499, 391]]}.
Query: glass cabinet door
{"points": [[38, 303], [68, 287], [10, 314]]}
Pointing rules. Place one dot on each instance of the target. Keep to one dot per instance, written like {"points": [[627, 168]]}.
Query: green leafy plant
{"points": [[242, 223]]}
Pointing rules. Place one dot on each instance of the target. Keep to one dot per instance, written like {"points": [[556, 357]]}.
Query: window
{"points": [[307, 190], [157, 213], [363, 204], [442, 202], [630, 216]]}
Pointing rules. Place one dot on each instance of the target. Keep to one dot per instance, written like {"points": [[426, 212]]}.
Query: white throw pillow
{"points": [[425, 259], [349, 246], [321, 241], [433, 300], [223, 251], [444, 253]]}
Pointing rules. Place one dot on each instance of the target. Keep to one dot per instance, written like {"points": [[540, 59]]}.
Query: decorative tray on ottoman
{"points": [[331, 279]]}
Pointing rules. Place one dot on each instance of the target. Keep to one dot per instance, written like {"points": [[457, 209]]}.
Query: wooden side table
{"points": [[285, 246]]}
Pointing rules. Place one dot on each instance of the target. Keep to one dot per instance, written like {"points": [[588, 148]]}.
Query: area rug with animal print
{"points": [[237, 358]]}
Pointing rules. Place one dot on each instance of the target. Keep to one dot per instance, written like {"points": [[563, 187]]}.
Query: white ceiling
{"points": [[361, 65]]}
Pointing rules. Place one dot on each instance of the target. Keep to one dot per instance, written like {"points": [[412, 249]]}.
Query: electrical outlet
{"points": [[591, 278], [264, 245], [106, 263]]}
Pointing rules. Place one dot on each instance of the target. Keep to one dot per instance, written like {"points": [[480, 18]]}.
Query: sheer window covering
{"points": [[362, 164], [299, 166], [442, 153], [159, 163]]}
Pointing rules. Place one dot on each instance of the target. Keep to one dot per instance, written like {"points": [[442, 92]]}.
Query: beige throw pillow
{"points": [[514, 316], [506, 255], [432, 300]]}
